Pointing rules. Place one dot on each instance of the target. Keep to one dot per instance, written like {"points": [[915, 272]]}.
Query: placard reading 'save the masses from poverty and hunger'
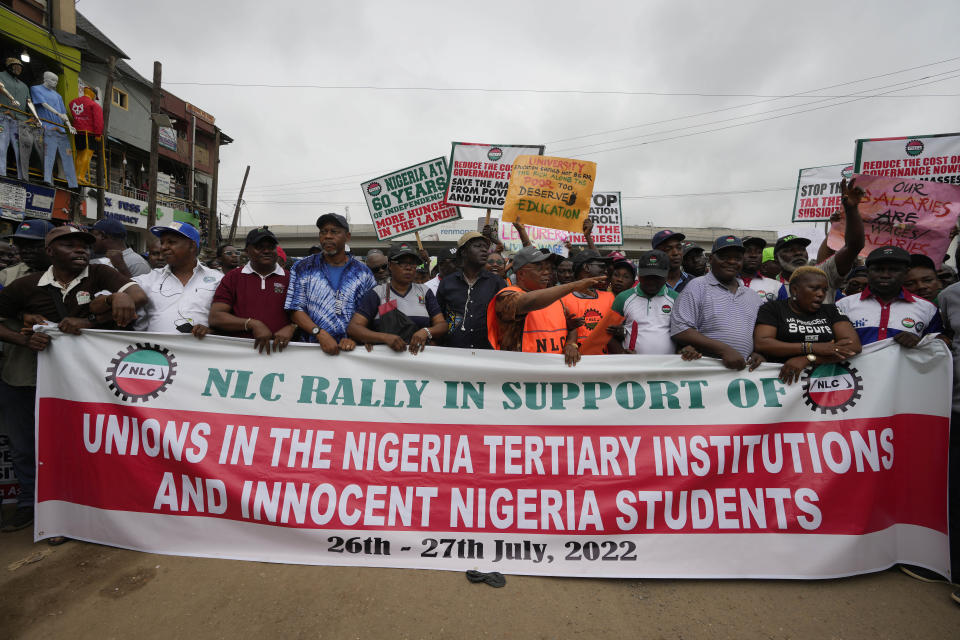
{"points": [[480, 173], [409, 199], [818, 192]]}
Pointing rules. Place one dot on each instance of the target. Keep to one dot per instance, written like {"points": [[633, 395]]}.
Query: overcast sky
{"points": [[327, 141]]}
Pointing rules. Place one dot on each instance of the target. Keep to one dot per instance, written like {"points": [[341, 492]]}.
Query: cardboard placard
{"points": [[934, 158], [818, 192], [550, 192], [914, 215], [480, 173], [607, 214], [409, 199]]}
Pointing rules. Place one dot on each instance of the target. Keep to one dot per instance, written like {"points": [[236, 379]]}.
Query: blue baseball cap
{"points": [[663, 236], [111, 227], [724, 242], [184, 229], [32, 230]]}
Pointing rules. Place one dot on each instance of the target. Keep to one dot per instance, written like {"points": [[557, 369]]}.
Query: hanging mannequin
{"points": [[51, 110], [14, 101], [88, 119]]}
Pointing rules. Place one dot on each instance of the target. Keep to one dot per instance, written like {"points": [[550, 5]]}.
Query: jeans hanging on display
{"points": [[57, 141], [8, 138], [31, 139]]}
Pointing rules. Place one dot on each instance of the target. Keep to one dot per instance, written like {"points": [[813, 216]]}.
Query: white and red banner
{"points": [[623, 466], [818, 192], [606, 211], [480, 173], [409, 199]]}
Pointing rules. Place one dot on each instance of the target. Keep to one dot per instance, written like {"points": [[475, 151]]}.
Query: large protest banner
{"points": [[914, 215], [935, 158], [456, 459], [818, 192], [409, 199], [480, 173], [550, 192], [607, 213]]}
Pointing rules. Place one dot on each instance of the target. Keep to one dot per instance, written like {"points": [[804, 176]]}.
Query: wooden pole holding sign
{"points": [[419, 244], [486, 222]]}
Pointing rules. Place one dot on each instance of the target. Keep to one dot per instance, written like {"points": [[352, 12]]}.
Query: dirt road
{"points": [[81, 590]]}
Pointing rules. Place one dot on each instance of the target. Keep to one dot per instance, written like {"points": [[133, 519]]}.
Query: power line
{"points": [[750, 104], [743, 124], [706, 124]]}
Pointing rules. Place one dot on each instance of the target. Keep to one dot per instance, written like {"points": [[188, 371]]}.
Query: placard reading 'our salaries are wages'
{"points": [[818, 192], [911, 214], [480, 173], [933, 158], [606, 213], [550, 192], [409, 199]]}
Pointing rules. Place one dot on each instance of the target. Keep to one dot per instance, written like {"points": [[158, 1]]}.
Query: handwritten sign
{"points": [[550, 192], [914, 215], [818, 192], [409, 199], [540, 236], [480, 173]]}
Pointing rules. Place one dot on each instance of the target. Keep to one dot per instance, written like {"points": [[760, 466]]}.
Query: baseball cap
{"points": [[653, 263], [663, 236], [182, 228], [335, 218], [725, 242], [111, 227], [888, 254], [32, 230], [785, 240], [920, 260], [690, 246], [68, 230], [528, 255], [616, 255], [768, 255], [258, 234], [13, 61], [586, 256], [628, 264], [468, 236], [754, 240], [404, 249]]}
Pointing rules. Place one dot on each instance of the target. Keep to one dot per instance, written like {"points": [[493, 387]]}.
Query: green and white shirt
{"points": [[647, 320]]}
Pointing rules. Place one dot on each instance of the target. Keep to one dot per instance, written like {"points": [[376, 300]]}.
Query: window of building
{"points": [[120, 98]]}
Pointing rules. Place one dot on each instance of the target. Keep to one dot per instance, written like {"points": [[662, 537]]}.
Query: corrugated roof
{"points": [[87, 27]]}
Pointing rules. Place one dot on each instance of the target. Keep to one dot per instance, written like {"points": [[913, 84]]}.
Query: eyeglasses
{"points": [[382, 267]]}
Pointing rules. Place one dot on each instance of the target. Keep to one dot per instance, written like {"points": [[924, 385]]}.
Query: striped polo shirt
{"points": [[647, 320], [875, 320], [709, 307]]}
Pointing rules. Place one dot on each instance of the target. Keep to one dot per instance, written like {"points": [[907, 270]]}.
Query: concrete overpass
{"points": [[296, 240]]}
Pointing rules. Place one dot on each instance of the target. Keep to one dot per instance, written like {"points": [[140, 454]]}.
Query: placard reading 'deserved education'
{"points": [[409, 199], [480, 173], [550, 192]]}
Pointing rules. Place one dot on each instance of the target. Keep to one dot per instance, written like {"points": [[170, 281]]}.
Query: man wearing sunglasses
{"points": [[377, 263]]}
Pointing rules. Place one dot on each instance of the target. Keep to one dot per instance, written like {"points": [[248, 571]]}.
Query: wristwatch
{"points": [[811, 357], [315, 331]]}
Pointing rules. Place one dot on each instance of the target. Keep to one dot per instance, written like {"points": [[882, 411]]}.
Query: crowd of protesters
{"points": [[738, 301]]}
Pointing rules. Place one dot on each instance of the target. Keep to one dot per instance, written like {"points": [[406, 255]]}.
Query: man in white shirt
{"points": [[766, 288], [111, 248], [178, 295]]}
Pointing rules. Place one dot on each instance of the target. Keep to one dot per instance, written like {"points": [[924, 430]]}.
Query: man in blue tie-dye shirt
{"points": [[326, 287]]}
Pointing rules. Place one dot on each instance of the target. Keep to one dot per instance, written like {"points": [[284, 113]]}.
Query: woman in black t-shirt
{"points": [[802, 331]]}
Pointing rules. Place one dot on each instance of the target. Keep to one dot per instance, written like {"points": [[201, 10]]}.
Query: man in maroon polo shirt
{"points": [[249, 301]]}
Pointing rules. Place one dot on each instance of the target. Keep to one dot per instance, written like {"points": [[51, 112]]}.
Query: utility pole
{"points": [[213, 222], [236, 212], [102, 160], [154, 146]]}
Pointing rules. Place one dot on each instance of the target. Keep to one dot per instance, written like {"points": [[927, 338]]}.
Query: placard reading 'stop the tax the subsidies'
{"points": [[818, 192], [409, 199], [480, 173], [550, 192], [935, 158]]}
